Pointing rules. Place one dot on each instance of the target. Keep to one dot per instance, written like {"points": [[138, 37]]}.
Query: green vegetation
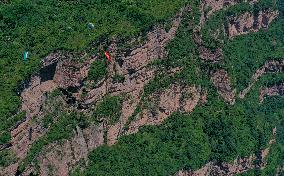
{"points": [[275, 158], [108, 110], [182, 54], [6, 158], [7, 123], [98, 70], [274, 161], [242, 61], [48, 120], [159, 82]]}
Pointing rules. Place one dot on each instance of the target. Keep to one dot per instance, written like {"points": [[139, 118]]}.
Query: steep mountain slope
{"points": [[192, 88]]}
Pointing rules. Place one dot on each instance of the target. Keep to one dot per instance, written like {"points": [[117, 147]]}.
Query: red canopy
{"points": [[107, 56]]}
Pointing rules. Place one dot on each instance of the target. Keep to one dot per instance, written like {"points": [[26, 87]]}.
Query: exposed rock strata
{"points": [[176, 98], [225, 169], [209, 7], [61, 157], [249, 22]]}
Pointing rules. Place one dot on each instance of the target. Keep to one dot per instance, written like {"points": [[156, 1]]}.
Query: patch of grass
{"points": [[158, 83], [137, 110]]}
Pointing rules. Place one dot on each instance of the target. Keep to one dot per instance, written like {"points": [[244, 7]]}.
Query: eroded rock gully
{"points": [[276, 90], [221, 81]]}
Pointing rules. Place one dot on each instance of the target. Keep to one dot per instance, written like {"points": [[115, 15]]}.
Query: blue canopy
{"points": [[26, 55]]}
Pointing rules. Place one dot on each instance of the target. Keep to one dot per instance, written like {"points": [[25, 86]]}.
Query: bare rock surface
{"points": [[33, 99], [221, 81], [209, 55], [238, 166], [249, 22], [10, 170], [68, 74]]}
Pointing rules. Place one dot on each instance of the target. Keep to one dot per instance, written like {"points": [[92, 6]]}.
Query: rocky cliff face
{"points": [[61, 71], [209, 7]]}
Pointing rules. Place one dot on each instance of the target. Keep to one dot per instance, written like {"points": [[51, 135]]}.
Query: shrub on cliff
{"points": [[98, 70]]}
